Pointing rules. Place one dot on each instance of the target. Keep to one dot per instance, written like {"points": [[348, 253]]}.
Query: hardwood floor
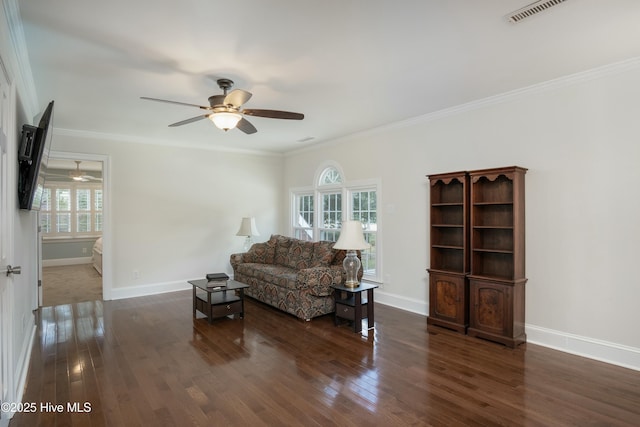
{"points": [[146, 362]]}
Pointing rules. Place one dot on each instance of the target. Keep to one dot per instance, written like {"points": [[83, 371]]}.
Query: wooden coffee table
{"points": [[218, 301]]}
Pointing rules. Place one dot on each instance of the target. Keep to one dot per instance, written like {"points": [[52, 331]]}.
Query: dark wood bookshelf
{"points": [[497, 277], [449, 251], [477, 262]]}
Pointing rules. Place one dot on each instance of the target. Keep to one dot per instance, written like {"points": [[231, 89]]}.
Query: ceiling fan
{"points": [[226, 111], [80, 176], [76, 175]]}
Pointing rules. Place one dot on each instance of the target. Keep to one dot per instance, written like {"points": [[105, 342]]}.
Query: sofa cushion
{"points": [[339, 257], [271, 273], [270, 254], [300, 254], [323, 254], [263, 253], [282, 245]]}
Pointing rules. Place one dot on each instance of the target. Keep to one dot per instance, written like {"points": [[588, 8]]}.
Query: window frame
{"points": [[300, 231], [73, 212], [347, 190], [369, 234], [335, 196]]}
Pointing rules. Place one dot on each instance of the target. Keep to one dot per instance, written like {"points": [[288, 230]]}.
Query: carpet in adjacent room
{"points": [[70, 284]]}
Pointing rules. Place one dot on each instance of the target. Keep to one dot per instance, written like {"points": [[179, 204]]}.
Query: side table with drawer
{"points": [[218, 301], [349, 305]]}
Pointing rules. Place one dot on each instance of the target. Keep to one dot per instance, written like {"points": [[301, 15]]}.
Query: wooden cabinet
{"points": [[497, 278], [448, 301], [497, 311], [449, 249], [477, 270]]}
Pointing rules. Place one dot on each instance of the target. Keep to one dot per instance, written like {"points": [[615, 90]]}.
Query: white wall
{"points": [[21, 295], [175, 211], [579, 139]]}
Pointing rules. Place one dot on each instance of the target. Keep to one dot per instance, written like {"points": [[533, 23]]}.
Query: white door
{"points": [[7, 208]]}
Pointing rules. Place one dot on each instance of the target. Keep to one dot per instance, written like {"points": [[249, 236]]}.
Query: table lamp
{"points": [[351, 239], [248, 229]]}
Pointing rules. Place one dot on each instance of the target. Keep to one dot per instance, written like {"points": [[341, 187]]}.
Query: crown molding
{"points": [[569, 80], [24, 76]]}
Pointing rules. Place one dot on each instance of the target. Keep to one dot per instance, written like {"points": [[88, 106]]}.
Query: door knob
{"points": [[13, 270]]}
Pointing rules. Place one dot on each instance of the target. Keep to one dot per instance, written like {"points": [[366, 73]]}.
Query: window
{"points": [[71, 210], [45, 211], [330, 175], [318, 213], [62, 204], [331, 210], [303, 217], [364, 209]]}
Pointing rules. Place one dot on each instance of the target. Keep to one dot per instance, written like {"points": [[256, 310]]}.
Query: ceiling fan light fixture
{"points": [[225, 120], [76, 175]]}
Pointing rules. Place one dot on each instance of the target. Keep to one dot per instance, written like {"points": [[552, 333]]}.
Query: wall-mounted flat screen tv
{"points": [[33, 156]]}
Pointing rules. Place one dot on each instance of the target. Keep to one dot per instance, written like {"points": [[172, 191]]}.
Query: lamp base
{"points": [[351, 265], [248, 243], [351, 284]]}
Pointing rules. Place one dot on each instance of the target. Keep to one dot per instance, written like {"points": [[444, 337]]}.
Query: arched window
{"points": [[330, 175], [318, 212]]}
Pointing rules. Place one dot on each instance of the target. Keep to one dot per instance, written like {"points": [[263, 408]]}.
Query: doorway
{"points": [[74, 238]]}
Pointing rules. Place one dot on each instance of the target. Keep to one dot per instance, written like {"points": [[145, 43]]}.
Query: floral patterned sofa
{"points": [[292, 275]]}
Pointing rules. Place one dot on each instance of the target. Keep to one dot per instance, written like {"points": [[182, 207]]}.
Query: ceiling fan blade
{"points": [[245, 126], [274, 114], [237, 97], [191, 120], [175, 102]]}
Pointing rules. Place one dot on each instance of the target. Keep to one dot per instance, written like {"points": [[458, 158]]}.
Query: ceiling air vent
{"points": [[533, 9]]}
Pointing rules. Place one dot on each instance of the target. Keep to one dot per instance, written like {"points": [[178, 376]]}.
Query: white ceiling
{"points": [[348, 65]]}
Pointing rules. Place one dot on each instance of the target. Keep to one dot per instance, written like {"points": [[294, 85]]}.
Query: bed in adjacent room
{"points": [[97, 255]]}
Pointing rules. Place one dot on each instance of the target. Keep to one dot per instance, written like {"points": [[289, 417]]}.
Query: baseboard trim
{"points": [[149, 289], [403, 303], [22, 372], [604, 351], [66, 261]]}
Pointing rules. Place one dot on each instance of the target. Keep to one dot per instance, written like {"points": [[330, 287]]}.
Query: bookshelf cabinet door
{"points": [[496, 311], [448, 301]]}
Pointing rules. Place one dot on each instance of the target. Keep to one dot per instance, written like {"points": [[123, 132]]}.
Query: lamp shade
{"points": [[351, 237], [225, 120], [248, 227]]}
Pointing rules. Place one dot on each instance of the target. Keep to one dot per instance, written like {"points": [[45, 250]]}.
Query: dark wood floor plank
{"points": [[146, 361]]}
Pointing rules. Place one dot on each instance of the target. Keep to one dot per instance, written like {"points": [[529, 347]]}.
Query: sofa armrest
{"points": [[236, 260], [319, 280]]}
